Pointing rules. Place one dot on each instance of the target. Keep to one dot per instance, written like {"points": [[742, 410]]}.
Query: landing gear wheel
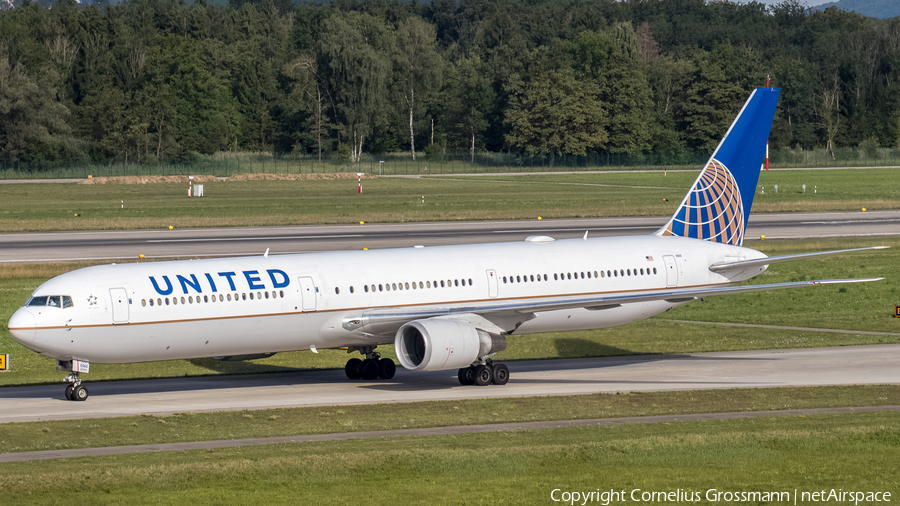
{"points": [[467, 376], [369, 369], [69, 389], [80, 393], [386, 368], [500, 374], [352, 368], [483, 375]]}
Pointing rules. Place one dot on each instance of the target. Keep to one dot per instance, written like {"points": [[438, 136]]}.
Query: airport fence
{"points": [[227, 164]]}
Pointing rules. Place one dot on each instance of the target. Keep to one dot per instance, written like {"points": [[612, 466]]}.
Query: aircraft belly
{"points": [[584, 319], [183, 340]]}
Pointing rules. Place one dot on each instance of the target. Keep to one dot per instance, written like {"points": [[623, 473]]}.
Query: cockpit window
{"points": [[51, 301], [38, 301]]}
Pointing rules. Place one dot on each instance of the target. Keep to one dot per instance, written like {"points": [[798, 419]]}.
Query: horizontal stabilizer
{"points": [[743, 264]]}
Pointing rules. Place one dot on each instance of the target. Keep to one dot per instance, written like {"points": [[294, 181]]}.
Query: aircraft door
{"points": [[308, 293], [671, 271], [492, 283], [119, 297]]}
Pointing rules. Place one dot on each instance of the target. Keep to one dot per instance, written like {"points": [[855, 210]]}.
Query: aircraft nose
{"points": [[21, 326]]}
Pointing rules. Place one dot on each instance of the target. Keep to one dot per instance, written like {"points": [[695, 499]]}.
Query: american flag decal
{"points": [[650, 258], [713, 210]]}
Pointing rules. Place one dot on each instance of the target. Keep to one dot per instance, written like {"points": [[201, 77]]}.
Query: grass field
{"points": [[851, 452], [30, 207], [182, 427], [859, 307]]}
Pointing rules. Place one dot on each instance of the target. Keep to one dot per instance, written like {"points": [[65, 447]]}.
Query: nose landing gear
{"points": [[75, 391], [371, 368]]}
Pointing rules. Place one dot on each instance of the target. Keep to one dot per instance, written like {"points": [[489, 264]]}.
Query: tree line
{"points": [[160, 81]]}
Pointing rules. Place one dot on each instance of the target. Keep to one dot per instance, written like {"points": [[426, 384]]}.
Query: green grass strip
{"points": [[147, 429], [29, 207]]}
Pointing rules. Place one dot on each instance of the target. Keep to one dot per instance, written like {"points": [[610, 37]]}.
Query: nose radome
{"points": [[21, 326]]}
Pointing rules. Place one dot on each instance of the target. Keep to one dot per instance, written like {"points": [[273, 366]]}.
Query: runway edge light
{"points": [[4, 361], [896, 311]]}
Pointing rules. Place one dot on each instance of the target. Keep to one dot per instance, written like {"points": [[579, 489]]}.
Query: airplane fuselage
{"points": [[249, 305]]}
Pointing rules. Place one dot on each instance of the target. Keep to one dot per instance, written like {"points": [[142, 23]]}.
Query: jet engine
{"points": [[436, 344]]}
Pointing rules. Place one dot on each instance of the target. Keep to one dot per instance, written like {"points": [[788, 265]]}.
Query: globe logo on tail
{"points": [[712, 210]]}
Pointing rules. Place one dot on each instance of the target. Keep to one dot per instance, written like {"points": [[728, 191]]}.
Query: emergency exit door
{"points": [[119, 298], [308, 293]]}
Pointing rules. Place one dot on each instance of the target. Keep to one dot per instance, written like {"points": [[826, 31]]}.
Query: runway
{"points": [[185, 243], [742, 369]]}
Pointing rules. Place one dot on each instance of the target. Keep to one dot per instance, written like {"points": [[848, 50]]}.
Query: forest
{"points": [[162, 81]]}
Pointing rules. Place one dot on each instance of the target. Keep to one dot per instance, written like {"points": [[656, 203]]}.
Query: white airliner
{"points": [[448, 307]]}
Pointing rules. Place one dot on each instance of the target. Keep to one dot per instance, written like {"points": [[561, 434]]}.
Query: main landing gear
{"points": [[484, 374], [371, 368]]}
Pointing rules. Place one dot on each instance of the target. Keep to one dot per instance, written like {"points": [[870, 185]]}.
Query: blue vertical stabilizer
{"points": [[718, 205]]}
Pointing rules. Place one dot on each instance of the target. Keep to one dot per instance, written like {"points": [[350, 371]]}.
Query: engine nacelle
{"points": [[436, 344]]}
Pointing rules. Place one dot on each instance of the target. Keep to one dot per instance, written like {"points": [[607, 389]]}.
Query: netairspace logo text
{"points": [[712, 495]]}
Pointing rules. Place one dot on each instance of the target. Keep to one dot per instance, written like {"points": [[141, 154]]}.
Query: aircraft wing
{"points": [[508, 314]]}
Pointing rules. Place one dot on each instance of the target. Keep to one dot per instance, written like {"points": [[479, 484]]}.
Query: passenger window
{"points": [[428, 284], [144, 302], [407, 285], [442, 283], [654, 270], [159, 302], [151, 302], [167, 301]]}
